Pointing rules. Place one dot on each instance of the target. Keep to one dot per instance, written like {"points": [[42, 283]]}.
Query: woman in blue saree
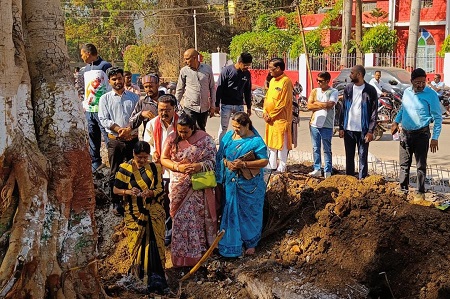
{"points": [[239, 162]]}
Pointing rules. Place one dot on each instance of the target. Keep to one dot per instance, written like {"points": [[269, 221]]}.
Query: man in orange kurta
{"points": [[278, 115]]}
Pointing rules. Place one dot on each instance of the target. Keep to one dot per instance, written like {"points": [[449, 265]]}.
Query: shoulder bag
{"points": [[204, 180]]}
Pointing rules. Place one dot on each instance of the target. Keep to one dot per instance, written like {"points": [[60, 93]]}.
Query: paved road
{"points": [[385, 149]]}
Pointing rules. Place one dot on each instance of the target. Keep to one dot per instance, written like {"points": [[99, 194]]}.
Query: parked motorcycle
{"points": [[445, 98], [299, 102], [258, 96], [389, 105]]}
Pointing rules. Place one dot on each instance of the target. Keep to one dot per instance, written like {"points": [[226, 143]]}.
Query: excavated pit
{"points": [[333, 238]]}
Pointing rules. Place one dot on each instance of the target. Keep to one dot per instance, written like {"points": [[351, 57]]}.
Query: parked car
{"points": [[391, 75]]}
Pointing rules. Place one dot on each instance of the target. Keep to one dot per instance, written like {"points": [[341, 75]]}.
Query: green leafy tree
{"points": [[264, 43], [106, 24], [445, 46], [142, 59], [378, 13], [313, 44], [173, 31], [379, 39]]}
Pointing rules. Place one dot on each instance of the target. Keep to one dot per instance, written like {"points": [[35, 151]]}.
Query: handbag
{"points": [[203, 180], [248, 173]]}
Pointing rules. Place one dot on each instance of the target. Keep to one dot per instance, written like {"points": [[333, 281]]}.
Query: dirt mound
{"points": [[371, 235], [333, 238]]}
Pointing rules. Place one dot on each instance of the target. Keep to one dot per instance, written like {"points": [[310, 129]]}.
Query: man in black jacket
{"points": [[233, 87], [358, 120]]}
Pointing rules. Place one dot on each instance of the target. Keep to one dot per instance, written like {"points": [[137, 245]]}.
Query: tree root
{"points": [[7, 191], [17, 273]]}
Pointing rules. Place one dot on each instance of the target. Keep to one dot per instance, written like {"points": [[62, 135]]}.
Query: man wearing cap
{"points": [[114, 112], [420, 107], [196, 89], [146, 108]]}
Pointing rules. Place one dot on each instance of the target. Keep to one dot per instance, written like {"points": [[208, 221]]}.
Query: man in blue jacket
{"points": [[358, 120], [420, 107]]}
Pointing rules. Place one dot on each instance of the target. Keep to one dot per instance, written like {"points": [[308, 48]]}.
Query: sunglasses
{"points": [[320, 81]]}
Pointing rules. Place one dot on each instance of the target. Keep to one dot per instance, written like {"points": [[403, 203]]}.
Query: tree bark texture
{"points": [[358, 32], [47, 228], [346, 31], [413, 35]]}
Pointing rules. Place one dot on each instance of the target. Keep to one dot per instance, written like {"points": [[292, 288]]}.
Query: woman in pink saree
{"points": [[188, 151]]}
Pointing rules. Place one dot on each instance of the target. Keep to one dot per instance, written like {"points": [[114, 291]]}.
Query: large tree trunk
{"points": [[413, 35], [346, 31], [48, 233], [358, 32]]}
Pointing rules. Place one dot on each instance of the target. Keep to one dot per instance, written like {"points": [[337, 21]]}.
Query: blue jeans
{"points": [[321, 136], [226, 111], [352, 140], [95, 131]]}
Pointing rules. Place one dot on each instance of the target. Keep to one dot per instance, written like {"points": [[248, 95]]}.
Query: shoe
{"points": [[327, 174], [419, 196], [316, 173]]}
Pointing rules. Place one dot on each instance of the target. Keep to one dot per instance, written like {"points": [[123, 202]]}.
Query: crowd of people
{"points": [[151, 176]]}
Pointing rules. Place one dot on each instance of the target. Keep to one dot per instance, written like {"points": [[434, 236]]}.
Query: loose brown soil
{"points": [[333, 238]]}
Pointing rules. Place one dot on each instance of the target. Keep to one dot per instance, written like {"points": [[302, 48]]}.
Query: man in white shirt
{"points": [[358, 120], [439, 87], [378, 83], [155, 133], [161, 126], [322, 101]]}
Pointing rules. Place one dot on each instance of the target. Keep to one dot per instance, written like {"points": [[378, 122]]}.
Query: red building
{"points": [[434, 27]]}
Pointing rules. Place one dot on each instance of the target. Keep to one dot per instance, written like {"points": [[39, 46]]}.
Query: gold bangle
{"points": [[124, 192], [245, 164]]}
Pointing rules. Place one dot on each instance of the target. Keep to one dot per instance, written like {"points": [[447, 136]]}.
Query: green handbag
{"points": [[203, 180]]}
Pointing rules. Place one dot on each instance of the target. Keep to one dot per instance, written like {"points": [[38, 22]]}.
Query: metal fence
{"points": [[430, 63], [329, 62], [332, 62], [261, 61]]}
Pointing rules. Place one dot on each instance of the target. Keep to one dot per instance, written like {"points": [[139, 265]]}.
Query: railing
{"points": [[332, 62], [329, 62], [430, 63], [261, 61]]}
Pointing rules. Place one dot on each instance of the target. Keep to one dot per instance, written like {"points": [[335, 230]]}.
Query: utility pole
{"points": [[302, 34], [195, 29]]}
